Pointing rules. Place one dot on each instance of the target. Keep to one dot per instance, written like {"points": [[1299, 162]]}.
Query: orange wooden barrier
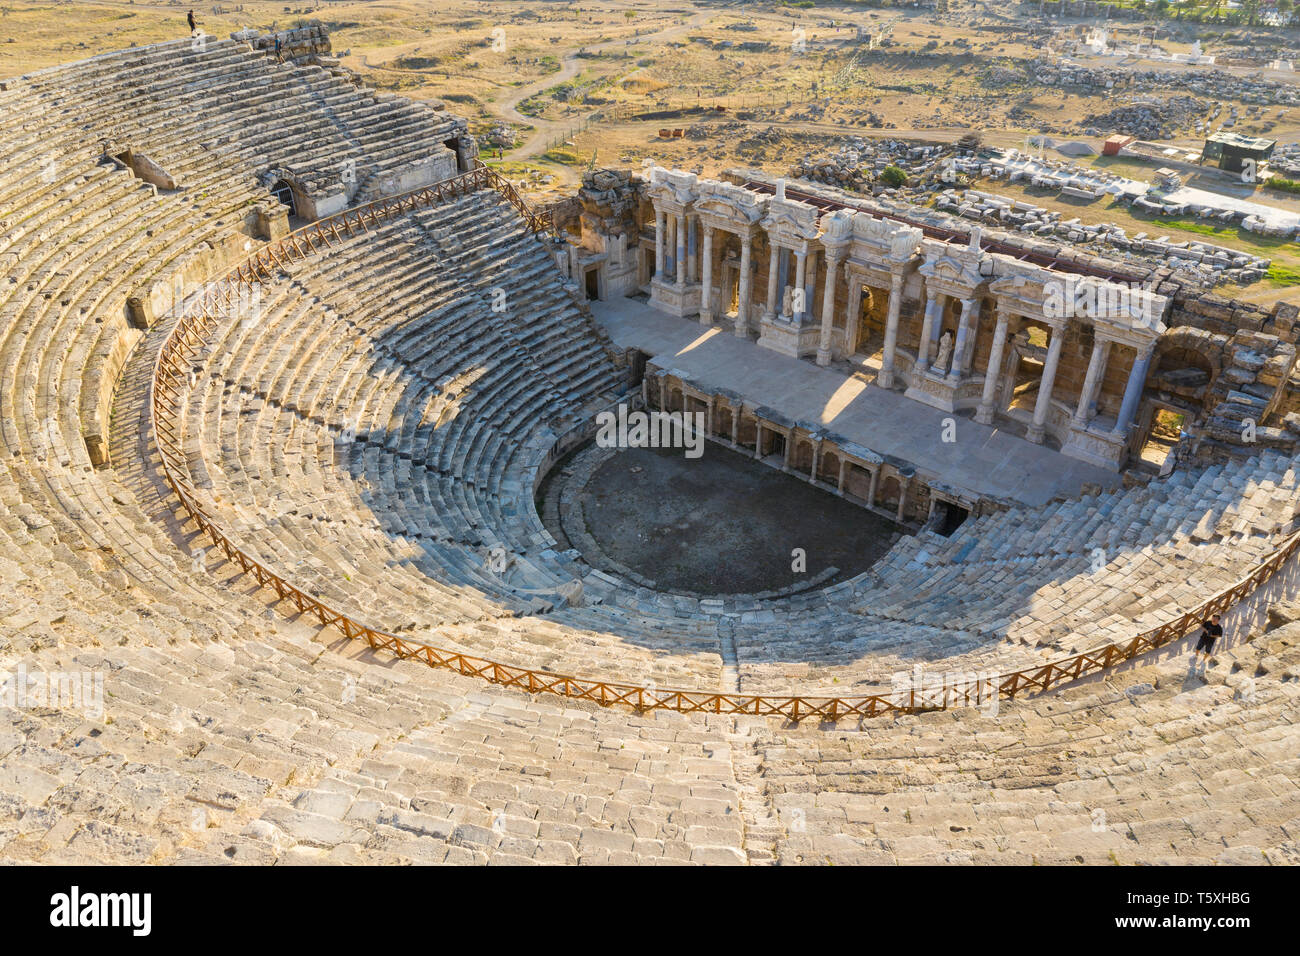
{"points": [[194, 326]]}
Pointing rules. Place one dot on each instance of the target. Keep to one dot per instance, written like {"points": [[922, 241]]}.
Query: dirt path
{"points": [[544, 129], [427, 73]]}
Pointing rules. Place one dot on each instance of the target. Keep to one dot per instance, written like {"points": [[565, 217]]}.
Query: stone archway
{"points": [[891, 489], [747, 433], [802, 460], [828, 469], [283, 191], [1187, 359], [872, 317], [857, 482], [722, 420]]}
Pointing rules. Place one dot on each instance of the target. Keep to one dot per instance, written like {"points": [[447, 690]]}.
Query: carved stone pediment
{"points": [[886, 237], [838, 226], [728, 203], [671, 187], [791, 222], [958, 273]]}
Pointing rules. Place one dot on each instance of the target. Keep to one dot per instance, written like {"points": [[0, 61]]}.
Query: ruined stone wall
{"points": [[302, 43], [608, 216], [1251, 354], [610, 202]]}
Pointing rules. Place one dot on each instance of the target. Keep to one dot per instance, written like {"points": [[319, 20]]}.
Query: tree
{"points": [[893, 176]]}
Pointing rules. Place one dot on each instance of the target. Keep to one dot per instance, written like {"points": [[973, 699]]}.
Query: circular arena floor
{"points": [[718, 524]]}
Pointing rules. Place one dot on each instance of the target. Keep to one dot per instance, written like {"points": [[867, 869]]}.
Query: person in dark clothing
{"points": [[279, 50], [1211, 631], [193, 26]]}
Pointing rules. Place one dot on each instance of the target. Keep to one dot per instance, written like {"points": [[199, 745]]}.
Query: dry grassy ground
{"points": [[594, 81]]}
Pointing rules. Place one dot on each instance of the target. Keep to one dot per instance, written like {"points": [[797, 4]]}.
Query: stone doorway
{"points": [[1024, 374], [873, 314], [283, 192], [453, 144], [1160, 431]]}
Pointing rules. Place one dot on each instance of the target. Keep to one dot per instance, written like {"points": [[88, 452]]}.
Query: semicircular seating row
{"points": [[262, 748], [229, 734], [376, 431], [808, 637], [79, 235]]}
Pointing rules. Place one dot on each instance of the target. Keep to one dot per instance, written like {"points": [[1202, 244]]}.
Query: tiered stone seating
{"points": [[425, 394], [1079, 573], [266, 749], [261, 749], [211, 114], [378, 430], [1150, 766], [216, 119]]}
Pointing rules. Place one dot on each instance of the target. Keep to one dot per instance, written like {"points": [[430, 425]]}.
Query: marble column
{"points": [[681, 251], [928, 324], [670, 247], [809, 287], [692, 227], [758, 438], [660, 226], [875, 484], [735, 426], [902, 497], [965, 338], [972, 337], [745, 292], [852, 324], [773, 274], [886, 379], [984, 414], [706, 279], [800, 270], [783, 270], [1133, 390], [1092, 380], [828, 311], [1044, 402]]}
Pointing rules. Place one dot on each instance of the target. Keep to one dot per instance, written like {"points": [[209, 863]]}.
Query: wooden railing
{"points": [[539, 222], [192, 331]]}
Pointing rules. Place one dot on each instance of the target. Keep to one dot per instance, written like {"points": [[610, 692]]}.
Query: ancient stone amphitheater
{"points": [[273, 480]]}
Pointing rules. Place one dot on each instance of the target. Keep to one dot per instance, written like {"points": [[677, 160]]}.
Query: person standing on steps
{"points": [[193, 26], [279, 50], [1211, 631]]}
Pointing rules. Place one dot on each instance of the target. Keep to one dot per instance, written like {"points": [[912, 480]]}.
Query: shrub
{"points": [[1284, 185], [893, 176]]}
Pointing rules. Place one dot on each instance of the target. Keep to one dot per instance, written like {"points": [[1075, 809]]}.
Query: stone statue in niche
{"points": [[786, 301], [945, 353]]}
